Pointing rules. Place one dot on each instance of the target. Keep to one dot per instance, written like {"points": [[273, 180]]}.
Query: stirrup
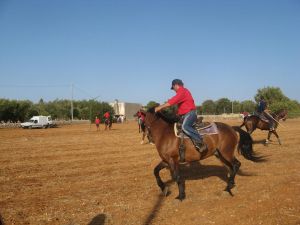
{"points": [[201, 146]]}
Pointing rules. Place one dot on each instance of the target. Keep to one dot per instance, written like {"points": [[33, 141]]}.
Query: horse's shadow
{"points": [[263, 142], [194, 171], [197, 171], [98, 220]]}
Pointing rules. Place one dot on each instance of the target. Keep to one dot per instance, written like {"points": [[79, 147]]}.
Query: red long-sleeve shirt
{"points": [[107, 115], [184, 100]]}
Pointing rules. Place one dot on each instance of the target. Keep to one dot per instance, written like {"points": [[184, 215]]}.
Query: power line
{"points": [[83, 91], [33, 85]]}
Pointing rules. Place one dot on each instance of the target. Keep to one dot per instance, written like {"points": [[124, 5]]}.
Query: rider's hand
{"points": [[157, 109]]}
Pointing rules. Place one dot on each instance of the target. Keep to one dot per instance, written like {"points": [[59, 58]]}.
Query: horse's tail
{"points": [[245, 146]]}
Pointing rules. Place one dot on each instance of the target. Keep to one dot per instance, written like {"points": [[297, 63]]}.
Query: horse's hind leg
{"points": [[160, 183], [275, 133], [174, 167], [233, 168]]}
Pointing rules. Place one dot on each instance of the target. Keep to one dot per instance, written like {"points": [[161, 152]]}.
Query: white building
{"points": [[125, 108]]}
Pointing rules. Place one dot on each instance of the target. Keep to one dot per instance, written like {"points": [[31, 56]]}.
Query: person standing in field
{"points": [[97, 122]]}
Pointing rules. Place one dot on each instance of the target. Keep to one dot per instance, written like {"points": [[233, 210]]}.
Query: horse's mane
{"points": [[170, 119]]}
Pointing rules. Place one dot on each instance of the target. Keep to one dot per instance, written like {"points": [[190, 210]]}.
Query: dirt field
{"points": [[73, 175]]}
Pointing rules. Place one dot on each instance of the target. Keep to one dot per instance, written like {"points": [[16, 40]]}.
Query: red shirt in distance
{"points": [[141, 115], [106, 115]]}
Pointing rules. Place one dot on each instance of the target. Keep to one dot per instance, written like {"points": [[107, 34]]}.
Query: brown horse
{"points": [[222, 145], [145, 133], [108, 124], [253, 122]]}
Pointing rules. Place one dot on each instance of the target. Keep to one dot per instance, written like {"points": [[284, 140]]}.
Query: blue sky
{"points": [[131, 50]]}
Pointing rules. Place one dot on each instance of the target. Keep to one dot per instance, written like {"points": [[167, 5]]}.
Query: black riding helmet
{"points": [[176, 81]]}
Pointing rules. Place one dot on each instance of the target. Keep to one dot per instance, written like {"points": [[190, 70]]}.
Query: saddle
{"points": [[261, 116], [203, 128]]}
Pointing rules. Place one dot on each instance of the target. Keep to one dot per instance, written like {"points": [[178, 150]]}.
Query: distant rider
{"points": [[263, 110], [107, 116]]}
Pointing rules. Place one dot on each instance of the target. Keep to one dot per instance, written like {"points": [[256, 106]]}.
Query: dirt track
{"points": [[73, 175]]}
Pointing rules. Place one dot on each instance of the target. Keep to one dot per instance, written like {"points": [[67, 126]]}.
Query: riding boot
{"points": [[272, 126], [200, 146]]}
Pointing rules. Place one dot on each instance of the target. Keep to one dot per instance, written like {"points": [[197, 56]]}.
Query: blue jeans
{"points": [[187, 126]]}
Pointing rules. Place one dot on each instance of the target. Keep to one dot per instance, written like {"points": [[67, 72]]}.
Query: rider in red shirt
{"points": [[186, 109], [106, 115]]}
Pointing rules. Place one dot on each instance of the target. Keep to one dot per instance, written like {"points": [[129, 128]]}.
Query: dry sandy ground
{"points": [[73, 175]]}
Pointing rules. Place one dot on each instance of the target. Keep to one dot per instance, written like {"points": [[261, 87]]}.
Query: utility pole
{"points": [[91, 110], [232, 107], [72, 93]]}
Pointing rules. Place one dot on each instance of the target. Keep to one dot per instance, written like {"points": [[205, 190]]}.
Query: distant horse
{"points": [[142, 127], [140, 124], [145, 133], [139, 114], [253, 121], [222, 145], [108, 124]]}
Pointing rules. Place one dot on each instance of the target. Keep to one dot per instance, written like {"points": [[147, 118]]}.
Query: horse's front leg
{"points": [[174, 166], [143, 138], [269, 136], [160, 183]]}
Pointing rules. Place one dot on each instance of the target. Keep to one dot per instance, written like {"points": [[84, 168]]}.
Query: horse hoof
{"points": [[229, 191], [142, 142], [181, 197]]}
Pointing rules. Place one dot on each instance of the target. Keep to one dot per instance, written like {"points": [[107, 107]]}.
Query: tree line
{"points": [[22, 110], [274, 96]]}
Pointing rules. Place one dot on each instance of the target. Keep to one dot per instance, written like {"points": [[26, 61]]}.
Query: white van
{"points": [[38, 122]]}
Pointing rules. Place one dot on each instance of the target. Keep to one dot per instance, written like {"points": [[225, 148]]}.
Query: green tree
{"points": [[209, 107], [236, 106], [271, 95], [23, 109], [223, 105], [248, 106], [151, 104]]}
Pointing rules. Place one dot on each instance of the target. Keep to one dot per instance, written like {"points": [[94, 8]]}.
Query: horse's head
{"points": [[282, 114], [167, 118], [150, 117]]}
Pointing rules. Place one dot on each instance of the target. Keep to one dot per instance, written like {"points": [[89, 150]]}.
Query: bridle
{"points": [[279, 116], [152, 122]]}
